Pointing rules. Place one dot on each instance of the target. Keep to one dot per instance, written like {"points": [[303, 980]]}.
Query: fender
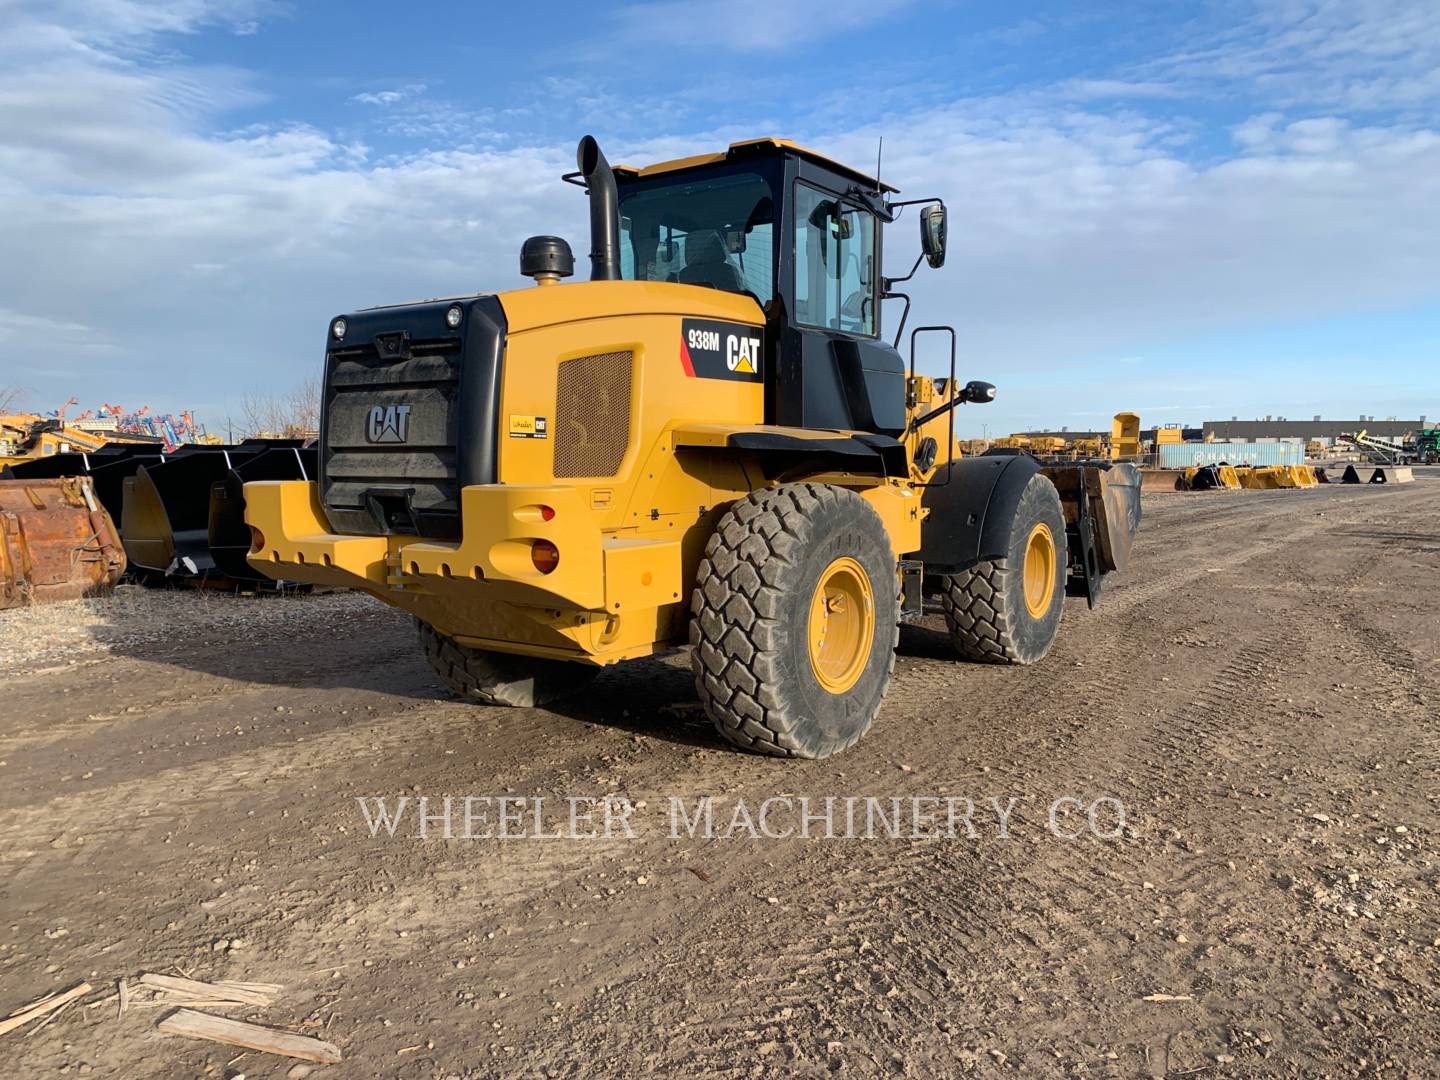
{"points": [[851, 451], [971, 512]]}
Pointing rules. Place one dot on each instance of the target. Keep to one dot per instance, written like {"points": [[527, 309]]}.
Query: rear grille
{"points": [[409, 417], [413, 479], [592, 414]]}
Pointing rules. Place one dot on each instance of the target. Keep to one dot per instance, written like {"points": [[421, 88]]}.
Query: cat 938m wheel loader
{"points": [[707, 443]]}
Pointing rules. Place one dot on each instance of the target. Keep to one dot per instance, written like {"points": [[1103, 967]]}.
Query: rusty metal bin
{"points": [[57, 542]]}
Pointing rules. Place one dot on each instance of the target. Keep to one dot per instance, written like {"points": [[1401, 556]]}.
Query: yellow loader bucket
{"points": [[1265, 478], [1302, 475], [1210, 478]]}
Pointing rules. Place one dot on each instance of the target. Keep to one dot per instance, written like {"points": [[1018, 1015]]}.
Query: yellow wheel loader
{"points": [[709, 443]]}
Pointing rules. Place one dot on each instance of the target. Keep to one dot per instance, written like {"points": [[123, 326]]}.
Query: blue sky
{"points": [[1193, 210]]}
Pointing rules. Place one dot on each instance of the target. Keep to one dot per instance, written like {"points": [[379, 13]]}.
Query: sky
{"points": [[1190, 210]]}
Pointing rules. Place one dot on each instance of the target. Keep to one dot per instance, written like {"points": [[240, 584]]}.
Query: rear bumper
{"points": [[471, 588]]}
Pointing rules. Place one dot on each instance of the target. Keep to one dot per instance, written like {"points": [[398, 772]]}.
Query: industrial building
{"points": [[1314, 429]]}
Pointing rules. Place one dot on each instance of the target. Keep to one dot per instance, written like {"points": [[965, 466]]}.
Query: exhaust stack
{"points": [[604, 210]]}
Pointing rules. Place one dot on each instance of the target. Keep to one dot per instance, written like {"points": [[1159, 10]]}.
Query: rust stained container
{"points": [[56, 542]]}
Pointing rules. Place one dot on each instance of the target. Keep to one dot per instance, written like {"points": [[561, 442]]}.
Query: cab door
{"points": [[833, 370]]}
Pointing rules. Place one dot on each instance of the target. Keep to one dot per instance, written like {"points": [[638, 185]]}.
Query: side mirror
{"points": [[978, 393], [932, 235]]}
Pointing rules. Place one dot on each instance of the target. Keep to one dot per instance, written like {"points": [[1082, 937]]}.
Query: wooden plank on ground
{"points": [[198, 1025], [47, 1004], [204, 990]]}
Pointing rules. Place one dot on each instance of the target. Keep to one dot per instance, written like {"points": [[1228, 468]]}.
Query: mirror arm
{"points": [[890, 282], [892, 207], [921, 421]]}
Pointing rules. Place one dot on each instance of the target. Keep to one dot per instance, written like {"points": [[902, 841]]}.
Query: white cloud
{"points": [[207, 261], [1352, 54], [390, 97], [771, 26], [1103, 89]]}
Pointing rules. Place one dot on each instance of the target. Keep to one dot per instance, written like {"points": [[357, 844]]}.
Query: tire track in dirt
{"points": [[987, 945], [795, 977]]}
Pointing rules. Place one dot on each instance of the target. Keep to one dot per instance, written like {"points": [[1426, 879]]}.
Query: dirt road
{"points": [[1258, 696]]}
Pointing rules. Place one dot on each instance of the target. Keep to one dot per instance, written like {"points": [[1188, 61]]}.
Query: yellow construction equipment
{"points": [[1045, 444], [1265, 477], [1125, 436], [26, 436], [1169, 436], [1211, 478], [708, 443]]}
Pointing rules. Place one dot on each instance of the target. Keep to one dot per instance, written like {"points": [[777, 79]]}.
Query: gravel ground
{"points": [[1258, 695], [134, 616]]}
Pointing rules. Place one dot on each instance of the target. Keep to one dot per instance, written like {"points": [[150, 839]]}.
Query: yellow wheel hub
{"points": [[1039, 570], [842, 625]]}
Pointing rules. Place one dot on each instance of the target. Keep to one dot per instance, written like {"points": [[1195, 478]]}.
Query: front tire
{"points": [[495, 678], [795, 620], [1007, 610]]}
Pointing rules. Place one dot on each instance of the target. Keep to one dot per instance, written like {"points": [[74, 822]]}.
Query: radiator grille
{"points": [[420, 472], [592, 414]]}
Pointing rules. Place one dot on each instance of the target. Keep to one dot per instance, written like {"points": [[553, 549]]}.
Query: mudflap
{"points": [[1102, 516]]}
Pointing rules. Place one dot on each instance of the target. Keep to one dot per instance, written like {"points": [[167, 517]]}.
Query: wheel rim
{"points": [[842, 625], [1039, 570]]}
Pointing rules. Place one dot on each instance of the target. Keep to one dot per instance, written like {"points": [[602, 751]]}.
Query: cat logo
{"points": [[388, 424], [742, 353]]}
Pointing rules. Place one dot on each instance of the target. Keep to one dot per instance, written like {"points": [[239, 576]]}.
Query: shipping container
{"points": [[1183, 455]]}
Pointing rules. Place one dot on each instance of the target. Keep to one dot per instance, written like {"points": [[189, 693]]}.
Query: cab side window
{"points": [[834, 263]]}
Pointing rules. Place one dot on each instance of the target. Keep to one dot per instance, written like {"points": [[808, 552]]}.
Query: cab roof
{"points": [[750, 148]]}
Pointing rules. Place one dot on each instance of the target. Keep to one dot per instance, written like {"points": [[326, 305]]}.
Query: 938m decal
{"points": [[721, 350]]}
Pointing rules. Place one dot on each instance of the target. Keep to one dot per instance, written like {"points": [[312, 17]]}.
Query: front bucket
{"points": [[166, 518], [1112, 506], [56, 542], [1162, 480], [1265, 477], [108, 467], [1392, 474], [229, 536]]}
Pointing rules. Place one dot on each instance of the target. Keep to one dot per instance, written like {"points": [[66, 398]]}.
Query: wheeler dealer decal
{"points": [[720, 350], [528, 427]]}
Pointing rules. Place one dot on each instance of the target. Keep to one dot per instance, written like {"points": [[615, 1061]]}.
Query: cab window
{"points": [[834, 263], [717, 232]]}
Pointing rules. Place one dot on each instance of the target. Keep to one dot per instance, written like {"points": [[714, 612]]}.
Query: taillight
{"points": [[547, 513], [545, 555], [257, 539]]}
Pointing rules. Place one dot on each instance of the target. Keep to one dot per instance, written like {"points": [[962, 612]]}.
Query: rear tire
{"points": [[495, 678], [795, 621], [1007, 610]]}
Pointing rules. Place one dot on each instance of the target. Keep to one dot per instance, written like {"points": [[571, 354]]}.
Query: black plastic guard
{"points": [[971, 511]]}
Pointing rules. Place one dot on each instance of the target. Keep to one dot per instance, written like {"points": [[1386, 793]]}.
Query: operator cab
{"points": [[801, 235]]}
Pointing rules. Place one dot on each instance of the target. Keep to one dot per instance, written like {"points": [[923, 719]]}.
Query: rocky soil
{"points": [[1253, 712]]}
